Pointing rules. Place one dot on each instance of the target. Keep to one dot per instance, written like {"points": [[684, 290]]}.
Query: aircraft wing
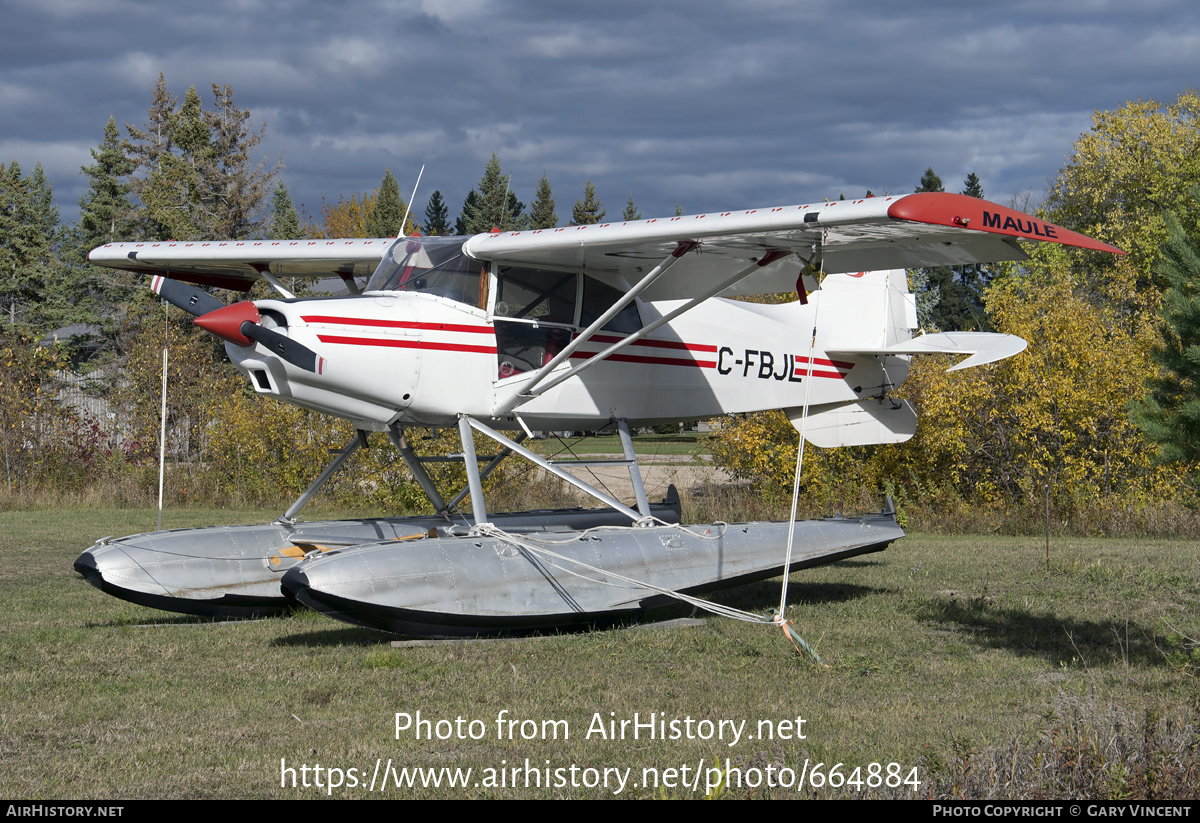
{"points": [[901, 231], [237, 264]]}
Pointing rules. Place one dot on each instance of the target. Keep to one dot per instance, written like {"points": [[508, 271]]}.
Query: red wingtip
{"points": [[226, 322], [966, 212]]}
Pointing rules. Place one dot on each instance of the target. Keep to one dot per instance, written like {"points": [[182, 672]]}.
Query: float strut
{"points": [[396, 435], [359, 441]]}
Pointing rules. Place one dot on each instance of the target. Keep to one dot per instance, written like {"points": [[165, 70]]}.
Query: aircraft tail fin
{"points": [[873, 315]]}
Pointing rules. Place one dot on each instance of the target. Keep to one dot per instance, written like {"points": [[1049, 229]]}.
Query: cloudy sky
{"points": [[714, 105]]}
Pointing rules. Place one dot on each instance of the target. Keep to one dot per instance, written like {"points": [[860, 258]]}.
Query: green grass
{"points": [[961, 656]]}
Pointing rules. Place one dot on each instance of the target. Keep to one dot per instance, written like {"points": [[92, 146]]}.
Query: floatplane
{"points": [[504, 334]]}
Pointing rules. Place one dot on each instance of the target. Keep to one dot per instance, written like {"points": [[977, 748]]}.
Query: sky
{"points": [[711, 106]]}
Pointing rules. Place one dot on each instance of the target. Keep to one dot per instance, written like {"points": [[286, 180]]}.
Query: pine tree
{"points": [[389, 209], [36, 288], [542, 214], [236, 186], [105, 216], [1170, 415], [146, 149], [104, 210], [972, 187], [61, 298], [465, 222], [588, 211], [16, 290], [515, 218], [972, 280], [285, 223], [926, 284], [193, 174], [631, 212], [437, 217], [930, 182], [493, 206], [946, 298]]}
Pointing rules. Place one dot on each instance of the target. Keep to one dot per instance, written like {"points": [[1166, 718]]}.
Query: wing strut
{"points": [[767, 259], [264, 272], [523, 393]]}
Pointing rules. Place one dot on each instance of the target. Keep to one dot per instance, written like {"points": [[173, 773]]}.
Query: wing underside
{"points": [[905, 231], [237, 264]]}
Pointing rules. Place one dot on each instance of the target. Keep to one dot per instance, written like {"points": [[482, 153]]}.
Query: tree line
{"points": [[1100, 414], [190, 173], [81, 346]]}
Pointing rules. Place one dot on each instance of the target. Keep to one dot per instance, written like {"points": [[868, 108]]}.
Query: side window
{"points": [[536, 295], [598, 298], [533, 315]]}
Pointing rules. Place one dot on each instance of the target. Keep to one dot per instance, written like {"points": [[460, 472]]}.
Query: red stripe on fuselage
{"points": [[398, 324], [404, 344], [654, 344], [645, 359], [819, 361]]}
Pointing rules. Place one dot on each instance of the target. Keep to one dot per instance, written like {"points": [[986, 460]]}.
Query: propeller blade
{"points": [[297, 354], [192, 299]]}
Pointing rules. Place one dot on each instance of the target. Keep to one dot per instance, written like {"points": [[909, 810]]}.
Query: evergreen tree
{"points": [[36, 289], [542, 214], [146, 149], [104, 210], [469, 211], [930, 182], [972, 186], [678, 210], [493, 206], [946, 297], [437, 217], [16, 244], [62, 293], [193, 174], [1170, 415], [105, 216], [236, 186], [588, 211], [389, 209], [285, 223], [631, 212], [972, 280], [926, 284]]}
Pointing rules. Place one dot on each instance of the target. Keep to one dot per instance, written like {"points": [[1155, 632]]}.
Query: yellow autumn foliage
{"points": [[1055, 415], [346, 218], [1135, 163]]}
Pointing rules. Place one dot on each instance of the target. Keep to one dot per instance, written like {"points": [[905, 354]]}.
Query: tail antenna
{"points": [[408, 208]]}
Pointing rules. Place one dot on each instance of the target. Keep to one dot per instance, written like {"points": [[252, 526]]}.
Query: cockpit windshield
{"points": [[432, 265]]}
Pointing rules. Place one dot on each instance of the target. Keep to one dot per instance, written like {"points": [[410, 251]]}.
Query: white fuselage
{"points": [[419, 359]]}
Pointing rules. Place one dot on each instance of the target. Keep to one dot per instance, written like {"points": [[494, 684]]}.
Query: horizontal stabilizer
{"points": [[864, 423], [984, 347]]}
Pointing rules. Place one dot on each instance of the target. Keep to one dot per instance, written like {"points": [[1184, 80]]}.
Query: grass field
{"points": [[960, 657]]}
